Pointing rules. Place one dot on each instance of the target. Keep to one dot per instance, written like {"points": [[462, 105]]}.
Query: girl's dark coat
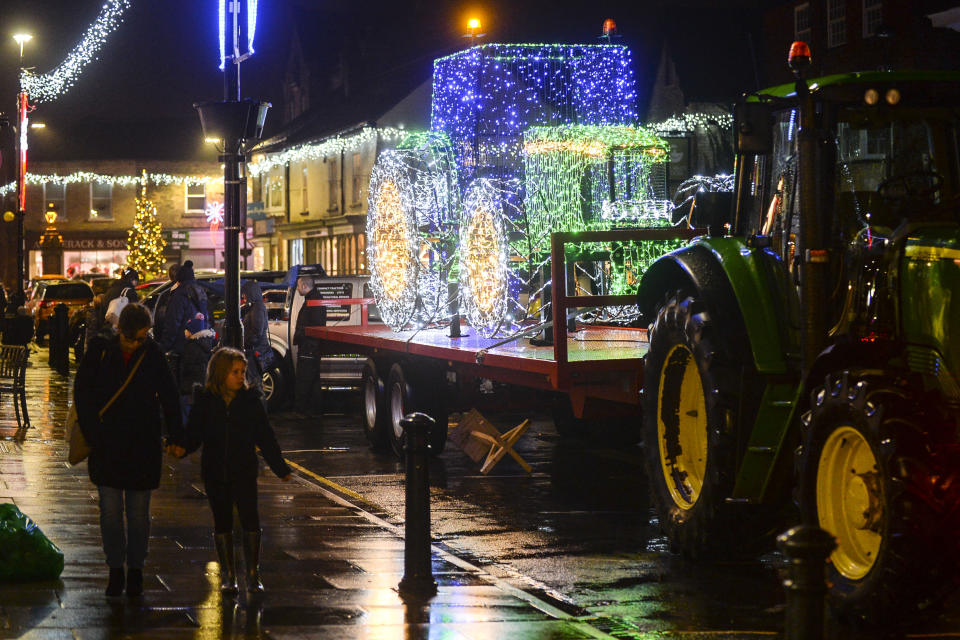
{"points": [[229, 436], [126, 445]]}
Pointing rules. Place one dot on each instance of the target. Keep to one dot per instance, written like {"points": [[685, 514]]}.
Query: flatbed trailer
{"points": [[597, 369]]}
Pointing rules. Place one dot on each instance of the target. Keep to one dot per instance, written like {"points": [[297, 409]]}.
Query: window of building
{"points": [[257, 195], [304, 201], [836, 22], [333, 182], [101, 201], [196, 198], [801, 22], [275, 191], [55, 199], [296, 251], [872, 17], [357, 174]]}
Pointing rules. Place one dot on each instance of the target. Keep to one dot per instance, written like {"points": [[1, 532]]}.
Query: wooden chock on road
{"points": [[480, 440]]}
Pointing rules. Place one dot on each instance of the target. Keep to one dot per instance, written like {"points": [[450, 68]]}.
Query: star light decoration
{"points": [[50, 86], [485, 97], [411, 229]]}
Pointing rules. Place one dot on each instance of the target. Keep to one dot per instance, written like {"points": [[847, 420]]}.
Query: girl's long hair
{"points": [[219, 367]]}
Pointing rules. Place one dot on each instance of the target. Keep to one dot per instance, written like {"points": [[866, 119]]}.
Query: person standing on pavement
{"points": [[256, 344], [307, 383], [122, 391], [185, 303], [160, 308], [126, 285], [230, 423]]}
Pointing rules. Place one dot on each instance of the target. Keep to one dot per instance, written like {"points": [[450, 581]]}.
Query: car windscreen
{"points": [[72, 291]]}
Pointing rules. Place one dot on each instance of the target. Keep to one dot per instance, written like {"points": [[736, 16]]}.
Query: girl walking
{"points": [[229, 422]]}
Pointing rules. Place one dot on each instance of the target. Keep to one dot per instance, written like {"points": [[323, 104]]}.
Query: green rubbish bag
{"points": [[25, 553]]}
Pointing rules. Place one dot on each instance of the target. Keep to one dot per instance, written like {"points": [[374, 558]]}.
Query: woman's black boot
{"points": [[134, 582], [117, 581], [228, 574], [251, 558]]}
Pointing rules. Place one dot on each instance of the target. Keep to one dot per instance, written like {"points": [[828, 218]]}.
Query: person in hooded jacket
{"points": [[124, 393], [256, 343], [163, 299], [228, 420], [185, 302]]}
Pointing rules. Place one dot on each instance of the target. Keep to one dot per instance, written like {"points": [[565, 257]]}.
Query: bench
{"points": [[13, 369], [479, 439]]}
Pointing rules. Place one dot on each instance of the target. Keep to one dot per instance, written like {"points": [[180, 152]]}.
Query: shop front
{"points": [[79, 252]]}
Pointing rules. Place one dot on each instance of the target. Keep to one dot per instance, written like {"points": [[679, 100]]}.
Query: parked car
{"points": [[34, 285], [76, 294]]}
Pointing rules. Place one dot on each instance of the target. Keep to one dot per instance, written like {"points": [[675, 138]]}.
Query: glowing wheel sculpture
{"points": [[392, 240], [488, 285], [414, 205]]}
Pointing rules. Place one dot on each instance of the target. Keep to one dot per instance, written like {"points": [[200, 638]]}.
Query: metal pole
{"points": [[417, 570], [808, 548], [232, 328], [22, 103]]}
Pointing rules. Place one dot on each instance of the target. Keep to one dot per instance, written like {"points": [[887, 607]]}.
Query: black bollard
{"points": [[417, 570], [61, 325], [808, 548]]}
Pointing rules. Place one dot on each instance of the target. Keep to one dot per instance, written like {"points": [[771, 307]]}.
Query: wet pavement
{"points": [[569, 551]]}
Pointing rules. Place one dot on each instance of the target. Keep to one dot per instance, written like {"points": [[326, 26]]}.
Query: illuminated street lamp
{"points": [[22, 109], [473, 28]]}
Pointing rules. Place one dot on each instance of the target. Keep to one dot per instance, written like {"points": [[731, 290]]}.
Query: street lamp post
{"points": [[23, 107], [234, 122]]}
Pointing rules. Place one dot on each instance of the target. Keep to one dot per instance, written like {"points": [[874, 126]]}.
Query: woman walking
{"points": [[123, 386], [228, 420]]}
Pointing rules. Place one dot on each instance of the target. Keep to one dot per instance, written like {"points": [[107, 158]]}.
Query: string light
{"points": [[159, 179], [324, 148], [392, 247], [485, 97], [49, 86], [687, 123], [145, 240]]}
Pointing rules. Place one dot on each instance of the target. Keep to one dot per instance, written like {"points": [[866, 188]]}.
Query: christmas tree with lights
{"points": [[145, 240]]}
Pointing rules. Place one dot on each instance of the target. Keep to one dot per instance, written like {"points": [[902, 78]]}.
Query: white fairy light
{"points": [[690, 122], [160, 179], [49, 86], [324, 148]]}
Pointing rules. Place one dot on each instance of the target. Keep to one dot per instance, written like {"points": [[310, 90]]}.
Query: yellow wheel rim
{"points": [[683, 436], [850, 501]]}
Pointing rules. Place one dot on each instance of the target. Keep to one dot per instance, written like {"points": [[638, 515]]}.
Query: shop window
{"points": [[296, 251], [801, 22], [196, 198], [872, 17], [101, 201], [55, 199], [836, 22], [275, 191]]}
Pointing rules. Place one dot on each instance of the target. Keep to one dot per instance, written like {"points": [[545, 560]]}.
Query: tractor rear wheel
{"points": [[690, 404], [376, 412], [868, 475]]}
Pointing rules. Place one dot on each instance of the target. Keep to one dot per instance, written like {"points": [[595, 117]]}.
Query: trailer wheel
{"points": [[869, 475], [376, 410], [405, 397], [690, 399]]}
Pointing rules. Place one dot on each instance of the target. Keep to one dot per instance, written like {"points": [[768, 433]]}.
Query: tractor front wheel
{"points": [[867, 475]]}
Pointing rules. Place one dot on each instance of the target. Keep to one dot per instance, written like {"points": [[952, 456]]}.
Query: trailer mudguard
{"points": [[746, 289]]}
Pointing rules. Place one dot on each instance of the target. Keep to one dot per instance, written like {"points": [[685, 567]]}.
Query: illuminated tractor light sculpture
{"points": [[414, 205]]}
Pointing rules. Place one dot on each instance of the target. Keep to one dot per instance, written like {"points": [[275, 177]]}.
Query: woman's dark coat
{"points": [[229, 437], [126, 445], [255, 340]]}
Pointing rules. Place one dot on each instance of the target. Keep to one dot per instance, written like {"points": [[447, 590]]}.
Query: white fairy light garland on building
{"points": [[324, 148], [160, 179], [49, 86], [689, 122]]}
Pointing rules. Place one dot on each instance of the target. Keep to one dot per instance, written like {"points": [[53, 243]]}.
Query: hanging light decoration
{"points": [[50, 86], [159, 179]]}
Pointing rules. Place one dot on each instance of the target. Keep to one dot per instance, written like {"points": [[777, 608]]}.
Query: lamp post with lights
{"points": [[234, 122], [23, 108]]}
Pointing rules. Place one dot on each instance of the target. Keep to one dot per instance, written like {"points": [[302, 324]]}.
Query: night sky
{"points": [[163, 58]]}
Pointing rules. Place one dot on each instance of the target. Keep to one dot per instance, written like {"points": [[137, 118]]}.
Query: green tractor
{"points": [[812, 341]]}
